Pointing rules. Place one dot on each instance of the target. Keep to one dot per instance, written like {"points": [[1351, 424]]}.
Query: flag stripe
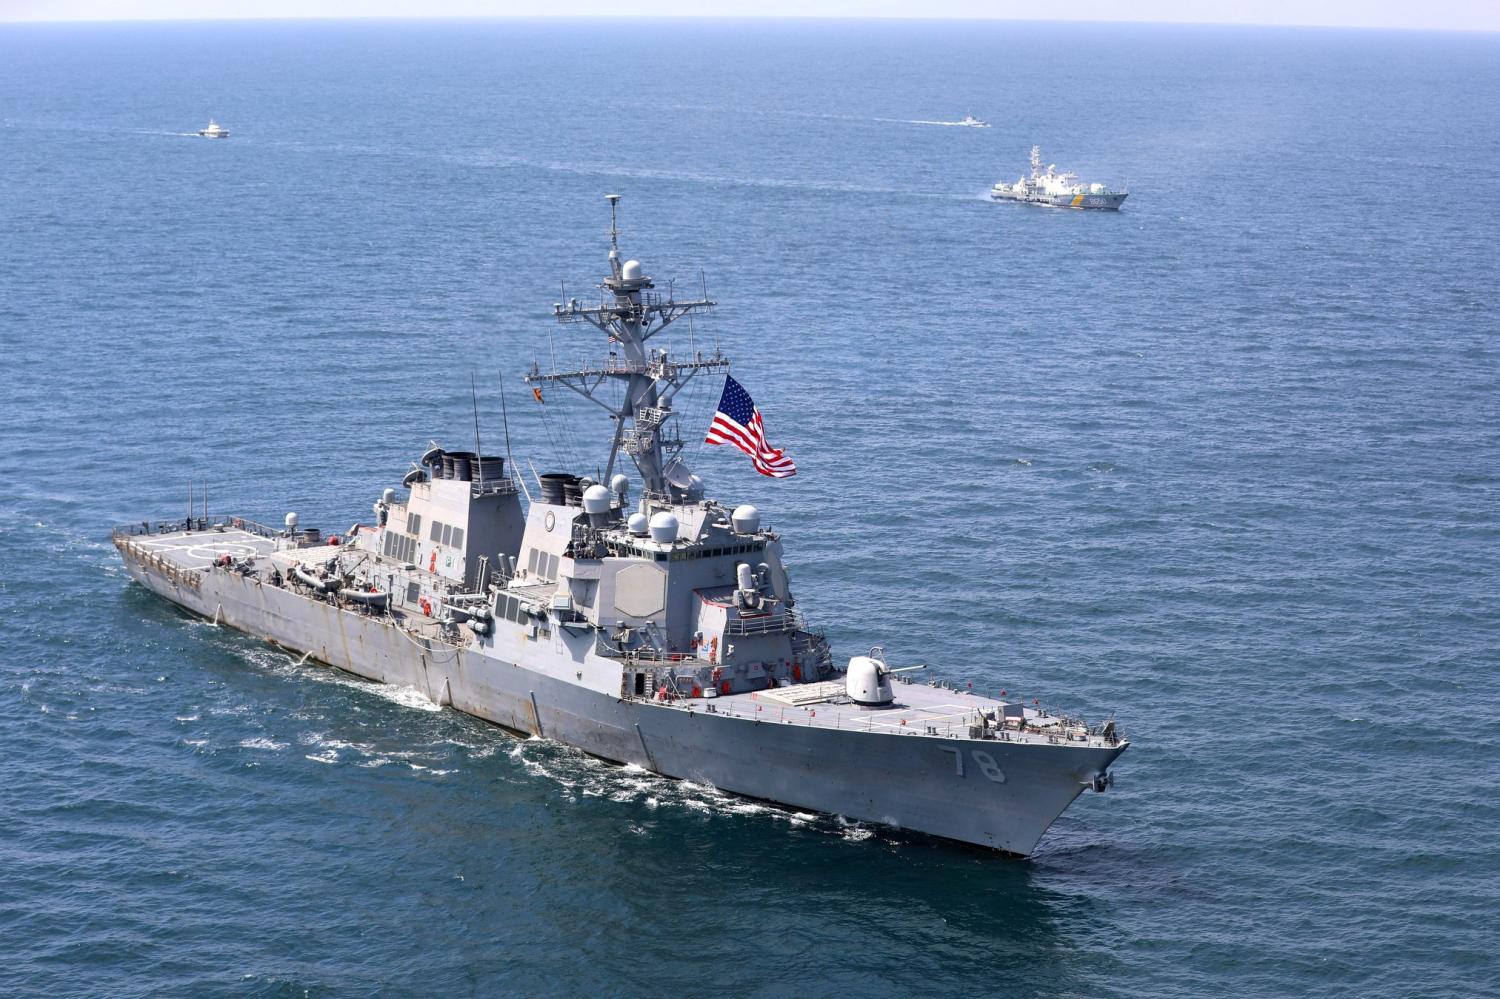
{"points": [[738, 422], [724, 431]]}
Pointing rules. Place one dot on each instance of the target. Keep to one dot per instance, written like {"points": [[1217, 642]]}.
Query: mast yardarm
{"points": [[630, 312]]}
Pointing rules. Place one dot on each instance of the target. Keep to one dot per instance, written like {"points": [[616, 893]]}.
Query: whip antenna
{"points": [[505, 423], [478, 448]]}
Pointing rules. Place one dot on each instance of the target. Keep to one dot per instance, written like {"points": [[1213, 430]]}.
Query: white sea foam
{"points": [[581, 776], [261, 742], [409, 697], [923, 121], [285, 663]]}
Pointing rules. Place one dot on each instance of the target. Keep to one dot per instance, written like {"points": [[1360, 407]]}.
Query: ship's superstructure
{"points": [[638, 620], [214, 131], [1057, 190]]}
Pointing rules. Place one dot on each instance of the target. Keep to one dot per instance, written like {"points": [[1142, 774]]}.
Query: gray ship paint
{"points": [[659, 631]]}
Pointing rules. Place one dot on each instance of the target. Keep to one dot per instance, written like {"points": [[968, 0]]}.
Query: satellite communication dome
{"points": [[596, 500], [638, 525], [677, 474], [619, 485], [291, 522], [631, 270], [664, 527], [746, 519], [388, 497]]}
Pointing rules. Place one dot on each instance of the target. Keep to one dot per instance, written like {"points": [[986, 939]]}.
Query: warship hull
{"points": [[659, 631], [1100, 202], [915, 783]]}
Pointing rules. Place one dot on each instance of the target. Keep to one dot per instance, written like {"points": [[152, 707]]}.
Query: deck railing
{"points": [[145, 527], [769, 625]]}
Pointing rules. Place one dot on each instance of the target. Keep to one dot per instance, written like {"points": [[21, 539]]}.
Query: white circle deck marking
{"points": [[211, 552]]}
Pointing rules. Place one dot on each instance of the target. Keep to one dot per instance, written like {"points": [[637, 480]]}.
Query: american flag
{"points": [[738, 422]]}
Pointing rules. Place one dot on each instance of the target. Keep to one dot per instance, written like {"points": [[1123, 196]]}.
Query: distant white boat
{"points": [[214, 131], [969, 121]]}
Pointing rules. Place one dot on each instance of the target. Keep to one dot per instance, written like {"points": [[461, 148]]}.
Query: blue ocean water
{"points": [[1223, 464]]}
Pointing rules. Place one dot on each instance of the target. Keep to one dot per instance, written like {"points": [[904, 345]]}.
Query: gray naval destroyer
{"points": [[658, 630], [1058, 190]]}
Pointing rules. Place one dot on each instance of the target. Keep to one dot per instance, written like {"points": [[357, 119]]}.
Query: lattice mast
{"points": [[630, 312]]}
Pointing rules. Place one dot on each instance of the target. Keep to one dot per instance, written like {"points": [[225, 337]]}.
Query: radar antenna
{"points": [[614, 232], [630, 312]]}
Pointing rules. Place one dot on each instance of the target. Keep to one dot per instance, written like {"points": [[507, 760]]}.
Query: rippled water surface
{"points": [[1223, 464]]}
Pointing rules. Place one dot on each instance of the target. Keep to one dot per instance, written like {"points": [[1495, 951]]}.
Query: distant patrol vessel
{"points": [[658, 630], [970, 121], [1059, 190], [214, 131]]}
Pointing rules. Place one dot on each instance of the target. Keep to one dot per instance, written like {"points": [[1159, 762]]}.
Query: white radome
{"points": [[746, 519], [664, 527], [596, 499], [638, 525]]}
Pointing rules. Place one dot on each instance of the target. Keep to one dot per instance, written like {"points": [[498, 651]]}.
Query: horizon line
{"points": [[936, 18]]}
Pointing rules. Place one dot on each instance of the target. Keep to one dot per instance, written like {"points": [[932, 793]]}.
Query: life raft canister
{"points": [[725, 688], [426, 606]]}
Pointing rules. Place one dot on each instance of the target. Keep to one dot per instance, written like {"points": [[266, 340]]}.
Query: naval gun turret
{"points": [[868, 680]]}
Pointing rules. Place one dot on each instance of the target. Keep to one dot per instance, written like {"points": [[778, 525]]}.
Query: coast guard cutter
{"points": [[657, 629]]}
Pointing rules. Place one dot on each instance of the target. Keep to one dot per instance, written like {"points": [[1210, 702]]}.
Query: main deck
{"points": [[187, 549], [919, 709], [196, 545]]}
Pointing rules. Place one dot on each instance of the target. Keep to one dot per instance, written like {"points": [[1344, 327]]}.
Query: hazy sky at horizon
{"points": [[1462, 15]]}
